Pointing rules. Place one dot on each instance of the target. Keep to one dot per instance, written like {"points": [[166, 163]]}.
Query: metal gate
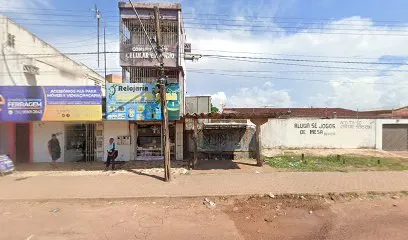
{"points": [[395, 137], [94, 136], [84, 142], [90, 143]]}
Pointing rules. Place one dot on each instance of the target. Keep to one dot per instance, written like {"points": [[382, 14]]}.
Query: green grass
{"points": [[332, 163]]}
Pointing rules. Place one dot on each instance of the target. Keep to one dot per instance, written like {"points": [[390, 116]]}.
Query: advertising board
{"points": [[50, 103], [140, 101]]}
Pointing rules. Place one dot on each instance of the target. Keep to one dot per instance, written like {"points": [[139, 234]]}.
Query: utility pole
{"points": [[104, 47], [98, 17], [162, 82]]}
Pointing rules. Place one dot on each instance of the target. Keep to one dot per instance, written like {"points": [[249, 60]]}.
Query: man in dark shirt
{"points": [[54, 148]]}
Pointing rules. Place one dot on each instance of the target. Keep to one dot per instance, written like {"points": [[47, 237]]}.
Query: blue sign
{"points": [[140, 101], [50, 103]]}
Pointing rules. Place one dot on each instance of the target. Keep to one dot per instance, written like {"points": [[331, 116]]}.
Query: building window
{"points": [[11, 40], [133, 33], [148, 75]]}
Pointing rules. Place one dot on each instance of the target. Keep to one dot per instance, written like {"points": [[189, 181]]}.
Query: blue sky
{"points": [[324, 33]]}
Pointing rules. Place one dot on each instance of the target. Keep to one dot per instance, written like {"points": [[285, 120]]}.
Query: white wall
{"points": [[42, 132], [115, 129], [379, 129], [53, 70], [319, 133]]}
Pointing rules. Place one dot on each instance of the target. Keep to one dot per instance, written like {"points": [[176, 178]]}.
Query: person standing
{"points": [[54, 148], [112, 153]]}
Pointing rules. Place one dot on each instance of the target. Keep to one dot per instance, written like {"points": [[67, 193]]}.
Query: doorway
{"points": [[149, 141], [80, 143], [22, 142], [395, 137]]}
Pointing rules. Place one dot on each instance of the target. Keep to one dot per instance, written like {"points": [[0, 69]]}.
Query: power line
{"points": [[303, 65], [360, 23], [82, 40], [203, 21], [294, 18], [230, 57], [60, 45], [298, 79], [281, 54], [281, 31], [285, 71], [307, 60], [327, 26], [299, 28], [51, 14], [241, 75], [303, 31], [145, 32], [268, 27], [245, 17], [44, 9]]}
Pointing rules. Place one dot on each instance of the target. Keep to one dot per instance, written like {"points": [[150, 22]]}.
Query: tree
{"points": [[214, 109]]}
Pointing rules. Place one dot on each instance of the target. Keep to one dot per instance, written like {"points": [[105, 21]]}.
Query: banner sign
{"points": [[59, 103], [143, 56], [140, 101]]}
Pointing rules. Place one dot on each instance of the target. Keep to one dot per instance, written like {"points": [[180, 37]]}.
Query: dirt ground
{"points": [[141, 167], [326, 152], [269, 217], [181, 167]]}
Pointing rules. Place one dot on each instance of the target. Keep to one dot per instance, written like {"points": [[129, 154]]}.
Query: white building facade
{"points": [[26, 60], [297, 133]]}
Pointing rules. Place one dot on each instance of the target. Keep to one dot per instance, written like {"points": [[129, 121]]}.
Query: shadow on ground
{"points": [[96, 166], [224, 164]]}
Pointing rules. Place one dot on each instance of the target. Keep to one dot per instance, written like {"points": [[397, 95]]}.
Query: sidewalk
{"points": [[136, 185]]}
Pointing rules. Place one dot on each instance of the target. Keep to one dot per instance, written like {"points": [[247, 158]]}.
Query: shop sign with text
{"points": [[51, 103], [140, 101], [144, 56]]}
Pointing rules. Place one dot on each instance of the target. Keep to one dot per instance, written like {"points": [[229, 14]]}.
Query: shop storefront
{"points": [[29, 116], [149, 141], [134, 110]]}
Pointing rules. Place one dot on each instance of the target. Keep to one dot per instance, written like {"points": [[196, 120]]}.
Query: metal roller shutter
{"points": [[395, 137]]}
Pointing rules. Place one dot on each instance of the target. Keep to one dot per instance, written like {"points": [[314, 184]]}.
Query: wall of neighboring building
{"points": [[319, 133], [114, 78], [115, 129], [42, 132], [198, 104], [54, 68]]}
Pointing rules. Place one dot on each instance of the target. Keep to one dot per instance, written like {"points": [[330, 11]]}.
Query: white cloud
{"points": [[259, 96], [365, 91], [254, 88], [219, 99]]}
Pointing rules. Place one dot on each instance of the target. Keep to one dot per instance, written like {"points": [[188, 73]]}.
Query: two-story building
{"points": [[133, 109]]}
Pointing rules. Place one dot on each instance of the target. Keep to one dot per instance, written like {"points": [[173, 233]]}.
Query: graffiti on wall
{"points": [[355, 124], [326, 129], [329, 129]]}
